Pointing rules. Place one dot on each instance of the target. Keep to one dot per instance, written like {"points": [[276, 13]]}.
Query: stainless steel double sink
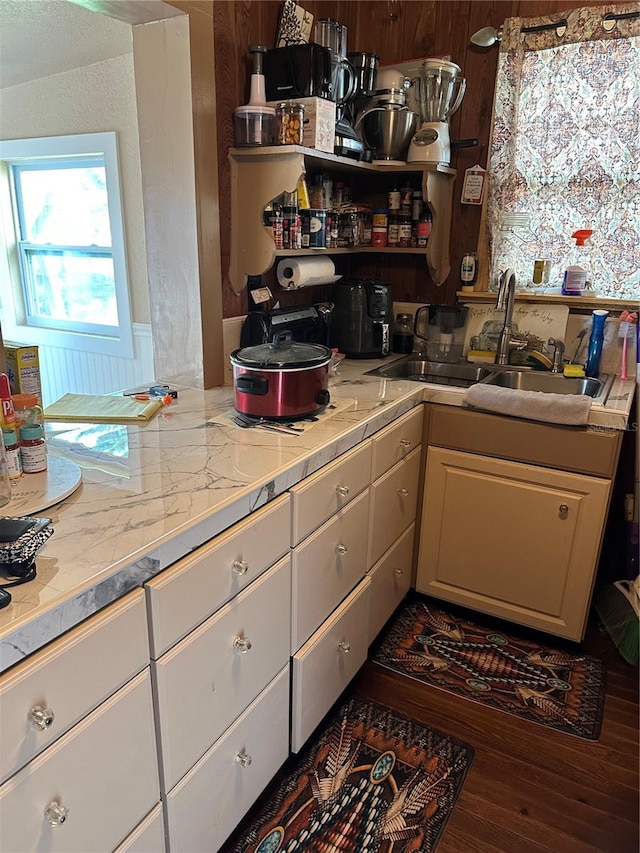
{"points": [[462, 374]]}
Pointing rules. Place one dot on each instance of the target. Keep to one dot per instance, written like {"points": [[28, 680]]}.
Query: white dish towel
{"points": [[570, 409]]}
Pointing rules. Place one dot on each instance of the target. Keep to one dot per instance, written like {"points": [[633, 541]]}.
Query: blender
{"points": [[440, 89]]}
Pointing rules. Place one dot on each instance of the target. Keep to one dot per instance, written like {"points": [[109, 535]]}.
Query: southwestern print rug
{"points": [[557, 689], [370, 782]]}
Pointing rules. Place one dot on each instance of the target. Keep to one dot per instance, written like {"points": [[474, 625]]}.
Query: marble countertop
{"points": [[150, 494]]}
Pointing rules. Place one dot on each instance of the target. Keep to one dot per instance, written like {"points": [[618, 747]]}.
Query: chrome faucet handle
{"points": [[558, 352]]}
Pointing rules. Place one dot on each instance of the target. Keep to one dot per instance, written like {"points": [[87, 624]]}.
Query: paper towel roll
{"points": [[303, 272]]}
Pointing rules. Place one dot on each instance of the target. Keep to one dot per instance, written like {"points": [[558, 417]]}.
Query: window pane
{"points": [[65, 206], [71, 286]]}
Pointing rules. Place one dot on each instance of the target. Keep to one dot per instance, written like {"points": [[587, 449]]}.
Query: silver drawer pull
{"points": [[403, 493], [240, 567], [243, 759], [563, 510], [41, 717], [56, 813], [343, 491], [344, 646], [341, 549], [242, 644], [405, 442], [398, 572]]}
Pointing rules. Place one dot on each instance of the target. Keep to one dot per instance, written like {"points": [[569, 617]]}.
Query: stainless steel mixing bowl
{"points": [[388, 130]]}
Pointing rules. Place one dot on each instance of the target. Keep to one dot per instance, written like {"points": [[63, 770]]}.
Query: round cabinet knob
{"points": [[56, 813], [41, 717], [243, 759], [405, 442], [343, 491], [403, 493], [344, 646], [242, 644], [240, 567], [341, 549], [398, 572], [563, 510]]}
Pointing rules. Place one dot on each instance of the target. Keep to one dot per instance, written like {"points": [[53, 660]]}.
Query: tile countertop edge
{"points": [[41, 624]]}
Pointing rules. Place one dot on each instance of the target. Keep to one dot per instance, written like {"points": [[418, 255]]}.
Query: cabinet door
{"points": [[390, 581], [327, 662], [320, 496], [326, 567], [189, 592], [43, 697], [207, 804], [394, 443], [394, 501], [104, 771], [208, 679], [148, 836], [513, 540]]}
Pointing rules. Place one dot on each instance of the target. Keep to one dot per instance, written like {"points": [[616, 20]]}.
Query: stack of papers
{"points": [[101, 409]]}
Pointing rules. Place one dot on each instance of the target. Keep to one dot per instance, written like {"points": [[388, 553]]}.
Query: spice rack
{"points": [[258, 175]]}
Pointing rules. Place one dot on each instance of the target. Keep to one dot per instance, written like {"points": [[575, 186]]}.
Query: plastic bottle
{"points": [[468, 272], [12, 451], [33, 449], [577, 276], [7, 412], [5, 485], [596, 342]]}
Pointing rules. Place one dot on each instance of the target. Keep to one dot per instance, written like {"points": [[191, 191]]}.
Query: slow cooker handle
{"points": [[281, 339], [256, 385]]}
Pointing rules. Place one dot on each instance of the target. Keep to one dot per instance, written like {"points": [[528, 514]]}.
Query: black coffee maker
{"points": [[362, 316]]}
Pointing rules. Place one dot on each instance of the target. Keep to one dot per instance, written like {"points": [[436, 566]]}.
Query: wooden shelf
{"points": [[578, 302], [259, 175]]}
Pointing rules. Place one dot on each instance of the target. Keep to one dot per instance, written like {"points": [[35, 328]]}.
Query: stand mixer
{"points": [[440, 88]]}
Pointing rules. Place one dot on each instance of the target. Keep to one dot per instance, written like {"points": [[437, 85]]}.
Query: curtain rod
{"points": [[560, 26]]}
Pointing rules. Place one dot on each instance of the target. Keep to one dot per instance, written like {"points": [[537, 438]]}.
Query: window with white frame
{"points": [[66, 254]]}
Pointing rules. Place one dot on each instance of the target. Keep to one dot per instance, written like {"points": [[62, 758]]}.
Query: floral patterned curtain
{"points": [[566, 148]]}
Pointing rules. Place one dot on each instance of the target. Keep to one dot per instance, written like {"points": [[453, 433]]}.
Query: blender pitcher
{"points": [[344, 82], [440, 91]]}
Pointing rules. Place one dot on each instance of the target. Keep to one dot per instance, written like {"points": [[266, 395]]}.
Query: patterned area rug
{"points": [[370, 782], [557, 689]]}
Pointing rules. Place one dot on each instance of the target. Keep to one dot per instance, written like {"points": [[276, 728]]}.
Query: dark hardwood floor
{"points": [[532, 789]]}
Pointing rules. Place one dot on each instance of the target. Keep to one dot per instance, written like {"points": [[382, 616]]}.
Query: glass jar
{"points": [[290, 123], [27, 410], [379, 222], [402, 341], [404, 230]]}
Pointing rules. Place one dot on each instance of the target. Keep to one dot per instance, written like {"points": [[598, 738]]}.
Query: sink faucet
{"points": [[505, 300], [558, 352]]}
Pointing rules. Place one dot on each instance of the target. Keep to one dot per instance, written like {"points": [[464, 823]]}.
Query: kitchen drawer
{"points": [[189, 592], [206, 806], [325, 665], [148, 836], [44, 696], [320, 496], [394, 443], [394, 499], [390, 581], [104, 771], [208, 679], [327, 566]]}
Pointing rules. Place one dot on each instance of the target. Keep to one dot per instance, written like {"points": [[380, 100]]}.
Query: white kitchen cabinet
{"points": [[258, 176], [90, 788], [42, 697], [207, 680], [326, 567], [327, 662], [390, 581], [394, 501], [510, 539], [211, 799], [325, 493], [195, 587], [395, 442]]}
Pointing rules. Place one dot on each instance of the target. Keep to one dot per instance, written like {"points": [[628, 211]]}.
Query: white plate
{"points": [[35, 492]]}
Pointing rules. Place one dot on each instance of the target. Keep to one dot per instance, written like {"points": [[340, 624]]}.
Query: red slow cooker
{"points": [[282, 380]]}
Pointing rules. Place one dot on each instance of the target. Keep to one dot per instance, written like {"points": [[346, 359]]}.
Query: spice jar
{"points": [[404, 230], [290, 121], [33, 449], [379, 223]]}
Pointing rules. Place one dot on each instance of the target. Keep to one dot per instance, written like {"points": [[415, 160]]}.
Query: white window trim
{"points": [[13, 326]]}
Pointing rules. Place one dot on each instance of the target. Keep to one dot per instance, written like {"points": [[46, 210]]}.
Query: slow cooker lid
{"points": [[285, 354]]}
